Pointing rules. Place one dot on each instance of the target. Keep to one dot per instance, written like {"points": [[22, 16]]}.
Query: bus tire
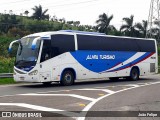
{"points": [[67, 78], [134, 75]]}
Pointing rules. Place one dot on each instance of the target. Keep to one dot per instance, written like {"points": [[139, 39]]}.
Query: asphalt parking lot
{"points": [[73, 102]]}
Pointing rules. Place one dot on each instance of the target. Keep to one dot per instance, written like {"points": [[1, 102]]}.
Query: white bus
{"points": [[67, 56]]}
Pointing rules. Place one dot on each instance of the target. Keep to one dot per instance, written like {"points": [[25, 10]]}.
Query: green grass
{"points": [[6, 65], [4, 81]]}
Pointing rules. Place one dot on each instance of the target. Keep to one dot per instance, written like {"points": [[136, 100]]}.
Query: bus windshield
{"points": [[26, 57]]}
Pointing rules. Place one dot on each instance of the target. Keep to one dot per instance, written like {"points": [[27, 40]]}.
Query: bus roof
{"points": [[48, 34], [82, 32]]}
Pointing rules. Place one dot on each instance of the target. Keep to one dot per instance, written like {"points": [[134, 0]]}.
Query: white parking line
{"points": [[70, 95], [41, 108], [105, 90], [108, 91], [134, 85], [62, 90], [87, 108], [88, 89], [35, 107], [90, 105]]}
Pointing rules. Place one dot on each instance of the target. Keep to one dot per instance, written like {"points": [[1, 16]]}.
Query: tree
{"points": [[76, 23], [62, 20], [26, 12], [39, 14], [11, 12], [128, 28], [7, 22], [104, 23], [142, 27], [156, 30], [70, 22]]}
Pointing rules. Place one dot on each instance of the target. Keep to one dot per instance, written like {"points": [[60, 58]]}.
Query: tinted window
{"points": [[86, 42], [62, 43], [146, 45], [46, 50], [118, 44]]}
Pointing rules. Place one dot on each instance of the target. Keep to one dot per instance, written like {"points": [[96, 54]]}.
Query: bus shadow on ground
{"points": [[88, 83]]}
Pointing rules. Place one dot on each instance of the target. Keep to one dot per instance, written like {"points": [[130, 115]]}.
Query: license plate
{"points": [[21, 78]]}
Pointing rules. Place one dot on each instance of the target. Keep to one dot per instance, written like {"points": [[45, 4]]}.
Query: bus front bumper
{"points": [[26, 78]]}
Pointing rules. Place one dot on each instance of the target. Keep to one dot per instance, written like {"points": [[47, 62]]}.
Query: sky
{"points": [[85, 11]]}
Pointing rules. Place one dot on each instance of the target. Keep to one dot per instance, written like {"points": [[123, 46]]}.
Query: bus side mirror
{"points": [[9, 50], [10, 46]]}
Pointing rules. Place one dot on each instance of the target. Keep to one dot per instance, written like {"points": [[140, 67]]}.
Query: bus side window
{"points": [[55, 51], [62, 43], [46, 51]]}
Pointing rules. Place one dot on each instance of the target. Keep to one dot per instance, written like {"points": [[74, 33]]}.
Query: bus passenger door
{"points": [[45, 62]]}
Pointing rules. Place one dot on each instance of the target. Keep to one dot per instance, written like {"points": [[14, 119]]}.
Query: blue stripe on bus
{"points": [[95, 64], [138, 60], [99, 61]]}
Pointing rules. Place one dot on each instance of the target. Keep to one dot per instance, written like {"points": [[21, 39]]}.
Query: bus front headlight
{"points": [[33, 72]]}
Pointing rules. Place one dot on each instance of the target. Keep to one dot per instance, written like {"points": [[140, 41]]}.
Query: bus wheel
{"points": [[67, 78], [134, 75], [47, 83]]}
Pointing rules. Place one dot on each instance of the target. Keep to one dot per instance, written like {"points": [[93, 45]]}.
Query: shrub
{"points": [[6, 64]]}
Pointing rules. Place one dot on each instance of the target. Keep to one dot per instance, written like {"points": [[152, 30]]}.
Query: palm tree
{"points": [[39, 14], [128, 28], [142, 27], [104, 23]]}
